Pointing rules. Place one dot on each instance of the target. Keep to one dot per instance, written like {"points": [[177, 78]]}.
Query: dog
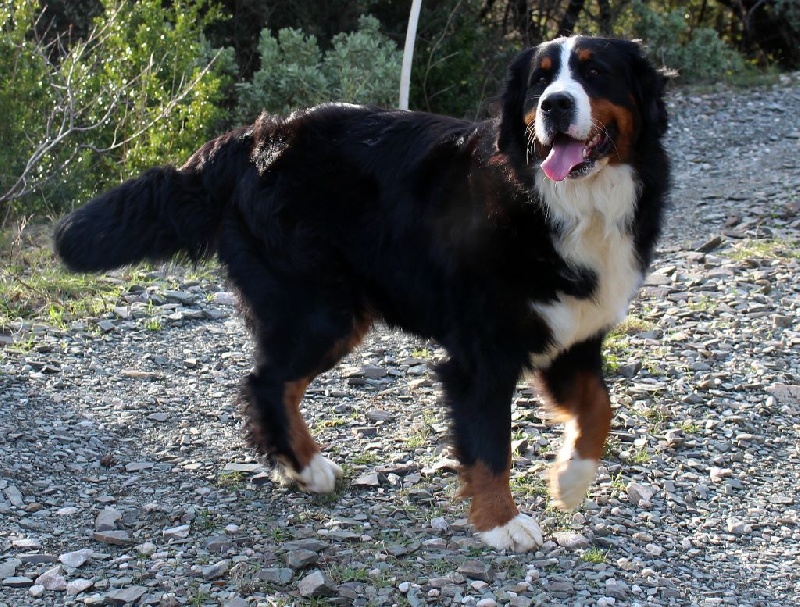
{"points": [[517, 243]]}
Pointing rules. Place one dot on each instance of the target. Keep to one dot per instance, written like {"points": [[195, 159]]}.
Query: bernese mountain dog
{"points": [[516, 243]]}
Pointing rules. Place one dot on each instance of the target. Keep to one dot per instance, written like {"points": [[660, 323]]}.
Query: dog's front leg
{"points": [[479, 396]]}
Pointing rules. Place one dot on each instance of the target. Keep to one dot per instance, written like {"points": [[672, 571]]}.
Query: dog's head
{"points": [[578, 104]]}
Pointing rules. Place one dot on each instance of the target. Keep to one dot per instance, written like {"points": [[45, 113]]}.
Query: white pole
{"points": [[408, 53]]}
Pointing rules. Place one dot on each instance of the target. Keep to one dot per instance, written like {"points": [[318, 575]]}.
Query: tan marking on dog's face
{"points": [[584, 54], [492, 503], [604, 112], [546, 64]]}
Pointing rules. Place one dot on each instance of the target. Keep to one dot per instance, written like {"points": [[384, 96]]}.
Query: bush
{"points": [[80, 115], [362, 67], [695, 54]]}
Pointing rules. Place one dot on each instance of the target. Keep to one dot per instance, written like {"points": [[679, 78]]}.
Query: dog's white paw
{"points": [[519, 534], [570, 479], [318, 477]]}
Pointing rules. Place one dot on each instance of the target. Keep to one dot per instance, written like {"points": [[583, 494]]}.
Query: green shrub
{"points": [[80, 115], [696, 54], [362, 67]]}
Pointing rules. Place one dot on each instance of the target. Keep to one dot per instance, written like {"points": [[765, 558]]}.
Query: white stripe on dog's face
{"points": [[566, 83]]}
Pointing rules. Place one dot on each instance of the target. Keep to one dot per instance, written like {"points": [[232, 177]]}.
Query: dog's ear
{"points": [[512, 125], [649, 85]]}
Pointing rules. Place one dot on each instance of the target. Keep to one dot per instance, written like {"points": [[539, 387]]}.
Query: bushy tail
{"points": [[164, 212]]}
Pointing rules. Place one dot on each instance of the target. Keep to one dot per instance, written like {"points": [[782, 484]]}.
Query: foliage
{"points": [[361, 67], [697, 54], [459, 63], [140, 89]]}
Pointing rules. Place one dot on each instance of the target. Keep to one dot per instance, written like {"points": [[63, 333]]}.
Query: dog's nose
{"points": [[559, 108]]}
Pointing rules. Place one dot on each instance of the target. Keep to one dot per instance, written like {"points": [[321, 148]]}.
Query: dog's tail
{"points": [[164, 212]]}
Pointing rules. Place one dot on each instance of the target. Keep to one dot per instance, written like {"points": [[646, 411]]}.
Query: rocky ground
{"points": [[124, 478]]}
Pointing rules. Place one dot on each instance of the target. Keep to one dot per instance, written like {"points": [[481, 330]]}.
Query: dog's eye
{"points": [[593, 71], [541, 80]]}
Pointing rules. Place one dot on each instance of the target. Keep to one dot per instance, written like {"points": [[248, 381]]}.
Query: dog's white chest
{"points": [[595, 214]]}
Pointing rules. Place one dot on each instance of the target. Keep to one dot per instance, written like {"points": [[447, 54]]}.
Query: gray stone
{"points": [[176, 533], [9, 567], [52, 579], [115, 538], [316, 584], [297, 559], [125, 596], [219, 544], [14, 496], [18, 581], [77, 586], [571, 540], [368, 479], [639, 494], [77, 558], [275, 575], [477, 570], [107, 519], [215, 570]]}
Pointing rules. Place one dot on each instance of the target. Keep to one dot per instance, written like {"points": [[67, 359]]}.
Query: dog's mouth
{"points": [[572, 158]]}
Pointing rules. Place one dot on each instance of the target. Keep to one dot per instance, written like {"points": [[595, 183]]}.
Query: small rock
{"points": [[116, 538], [107, 519], [75, 559], [9, 567], [14, 496], [708, 245], [219, 544], [18, 581], [137, 466], [297, 559], [571, 540], [176, 533], [77, 586], [281, 576], [640, 495], [52, 579], [738, 527], [374, 372], [215, 570], [719, 474], [125, 596], [106, 326], [36, 590], [225, 298], [369, 479], [486, 603], [477, 570], [316, 584], [146, 548], [440, 523]]}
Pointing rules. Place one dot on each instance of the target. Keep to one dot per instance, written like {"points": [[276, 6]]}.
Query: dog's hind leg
{"points": [[573, 386], [273, 392]]}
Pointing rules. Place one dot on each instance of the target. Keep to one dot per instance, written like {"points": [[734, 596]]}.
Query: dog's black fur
{"points": [[339, 216]]}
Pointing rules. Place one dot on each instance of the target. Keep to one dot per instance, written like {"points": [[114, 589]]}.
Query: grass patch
{"points": [[765, 249], [595, 555], [528, 485], [34, 285]]}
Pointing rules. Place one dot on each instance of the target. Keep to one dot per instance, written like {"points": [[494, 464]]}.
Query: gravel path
{"points": [[124, 478]]}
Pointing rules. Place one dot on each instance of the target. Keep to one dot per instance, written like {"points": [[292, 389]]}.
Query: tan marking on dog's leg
{"points": [[317, 473], [493, 512], [587, 415]]}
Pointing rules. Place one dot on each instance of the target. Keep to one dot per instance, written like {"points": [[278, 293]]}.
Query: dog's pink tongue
{"points": [[566, 154]]}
